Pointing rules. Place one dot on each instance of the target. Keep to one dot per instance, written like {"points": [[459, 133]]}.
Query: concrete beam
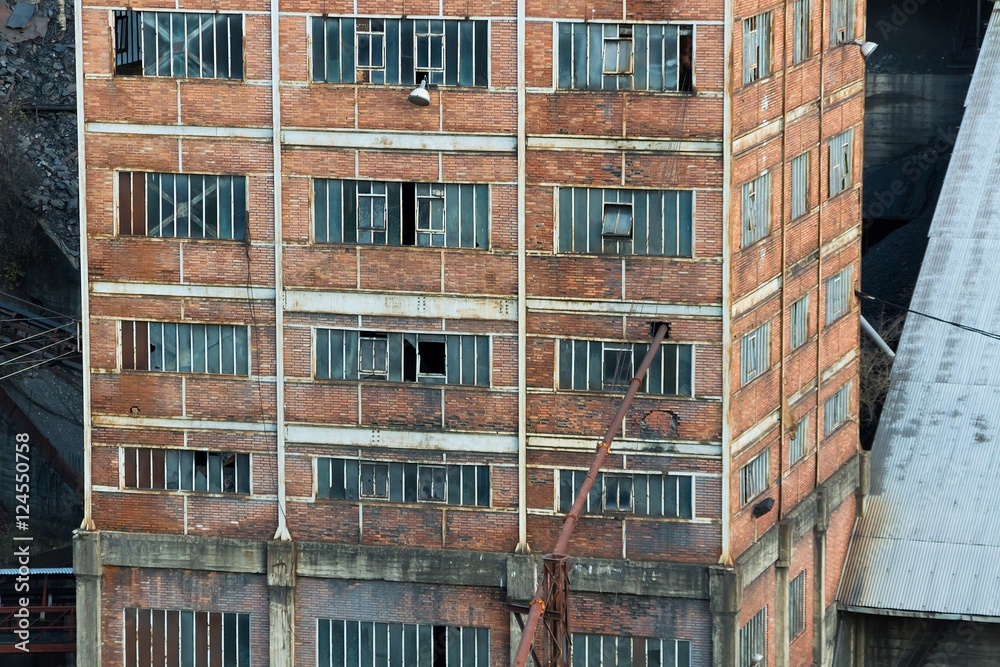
{"points": [[184, 552]]}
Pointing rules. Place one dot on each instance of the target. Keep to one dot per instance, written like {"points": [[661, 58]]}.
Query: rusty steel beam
{"points": [[546, 594]]}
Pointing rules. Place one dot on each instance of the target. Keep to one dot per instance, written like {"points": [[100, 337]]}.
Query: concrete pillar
{"points": [[89, 577], [281, 592], [523, 574], [819, 579], [725, 598], [781, 620], [864, 481]]}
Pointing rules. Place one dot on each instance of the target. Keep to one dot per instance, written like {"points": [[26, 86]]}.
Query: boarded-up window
{"points": [[837, 409], [755, 206], [838, 295], [755, 353], [179, 44], [182, 638], [197, 206], [802, 17], [186, 470], [218, 349], [753, 478], [799, 442], [756, 47], [800, 185], [841, 162], [798, 332], [642, 494], [585, 365], [353, 479], [842, 13]]}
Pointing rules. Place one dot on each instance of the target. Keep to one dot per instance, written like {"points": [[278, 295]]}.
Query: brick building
{"points": [[348, 356]]}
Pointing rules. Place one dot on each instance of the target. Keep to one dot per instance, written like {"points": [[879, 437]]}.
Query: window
{"points": [[836, 409], [753, 640], [641, 494], [400, 51], [221, 349], [634, 222], [841, 22], [802, 17], [401, 214], [800, 186], [342, 643], [799, 326], [838, 295], [176, 44], [186, 470], [610, 56], [756, 210], [180, 637], [668, 653], [756, 47], [353, 479], [797, 606], [755, 353], [753, 478], [454, 359], [199, 206], [592, 650], [584, 365], [799, 441], [841, 162]]}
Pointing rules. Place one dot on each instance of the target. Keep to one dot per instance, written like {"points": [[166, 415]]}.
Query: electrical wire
{"points": [[958, 325], [18, 341], [40, 363]]}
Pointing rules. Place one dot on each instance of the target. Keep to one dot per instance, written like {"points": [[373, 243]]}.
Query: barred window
{"points": [[755, 353], [181, 637], [841, 162], [802, 17], [198, 206], [799, 323], [607, 366], [797, 606], [753, 640], [756, 47], [799, 442], [612, 56], [641, 494], [186, 470], [400, 51], [454, 359], [401, 214], [842, 14], [753, 478], [836, 409], [179, 44], [593, 650], [800, 186], [172, 347], [756, 210], [838, 295], [626, 222], [354, 479], [342, 643]]}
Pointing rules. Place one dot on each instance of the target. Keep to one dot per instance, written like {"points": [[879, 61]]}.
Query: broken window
{"points": [[841, 162], [351, 479], [186, 470], [606, 56], [584, 365], [756, 47], [755, 209], [454, 359], [179, 44], [158, 637], [200, 206], [754, 477], [638, 222], [838, 295], [641, 494], [842, 15], [802, 17], [171, 347], [401, 214], [400, 51], [341, 643], [755, 353]]}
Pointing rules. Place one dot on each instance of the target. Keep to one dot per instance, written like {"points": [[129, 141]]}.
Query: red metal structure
{"points": [[51, 616]]}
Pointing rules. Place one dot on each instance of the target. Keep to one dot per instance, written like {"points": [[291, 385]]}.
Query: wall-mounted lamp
{"points": [[420, 96], [762, 508], [867, 48]]}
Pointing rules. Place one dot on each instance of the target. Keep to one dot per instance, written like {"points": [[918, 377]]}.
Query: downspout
{"points": [[279, 295], [783, 299], [522, 306], [726, 557]]}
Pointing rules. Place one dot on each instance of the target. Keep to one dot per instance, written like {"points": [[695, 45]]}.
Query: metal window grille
{"points": [[756, 47], [637, 222], [183, 637], [838, 295], [583, 365], [608, 56], [756, 210], [395, 482], [836, 409], [668, 653], [800, 186], [401, 214], [218, 349], [799, 323], [802, 17], [446, 52], [186, 470], [179, 44], [755, 353], [343, 643], [799, 441], [641, 494], [753, 478], [841, 162], [797, 606], [753, 640], [199, 206], [842, 13]]}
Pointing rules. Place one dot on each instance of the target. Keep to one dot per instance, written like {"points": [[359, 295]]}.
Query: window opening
{"points": [[373, 357], [432, 358], [371, 47], [617, 220], [617, 50], [431, 483], [374, 480]]}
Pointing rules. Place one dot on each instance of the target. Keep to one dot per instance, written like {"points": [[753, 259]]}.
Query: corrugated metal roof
{"points": [[930, 540]]}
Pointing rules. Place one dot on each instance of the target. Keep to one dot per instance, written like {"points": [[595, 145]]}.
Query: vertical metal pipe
{"points": [[725, 557], [522, 290]]}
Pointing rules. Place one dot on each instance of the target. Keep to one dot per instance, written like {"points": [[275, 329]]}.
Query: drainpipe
{"points": [[726, 557], [522, 306], [882, 345]]}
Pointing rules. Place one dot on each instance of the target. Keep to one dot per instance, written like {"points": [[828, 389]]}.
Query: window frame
{"points": [[837, 409], [798, 323], [755, 477], [798, 443], [370, 33], [796, 606], [800, 186], [753, 639], [841, 169], [758, 42], [755, 209], [235, 54], [618, 40], [802, 31], [838, 294], [755, 353], [843, 20]]}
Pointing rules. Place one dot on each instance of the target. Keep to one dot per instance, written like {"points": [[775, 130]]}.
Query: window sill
{"points": [[420, 504], [400, 383], [617, 394], [197, 494], [422, 248], [169, 239], [139, 77]]}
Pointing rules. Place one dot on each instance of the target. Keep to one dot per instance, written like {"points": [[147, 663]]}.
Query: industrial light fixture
{"points": [[420, 96], [867, 48], [756, 659], [762, 508]]}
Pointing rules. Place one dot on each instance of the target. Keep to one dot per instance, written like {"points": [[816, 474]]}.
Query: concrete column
{"points": [[89, 577], [781, 619], [819, 579], [281, 592], [523, 573], [725, 598], [864, 481]]}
